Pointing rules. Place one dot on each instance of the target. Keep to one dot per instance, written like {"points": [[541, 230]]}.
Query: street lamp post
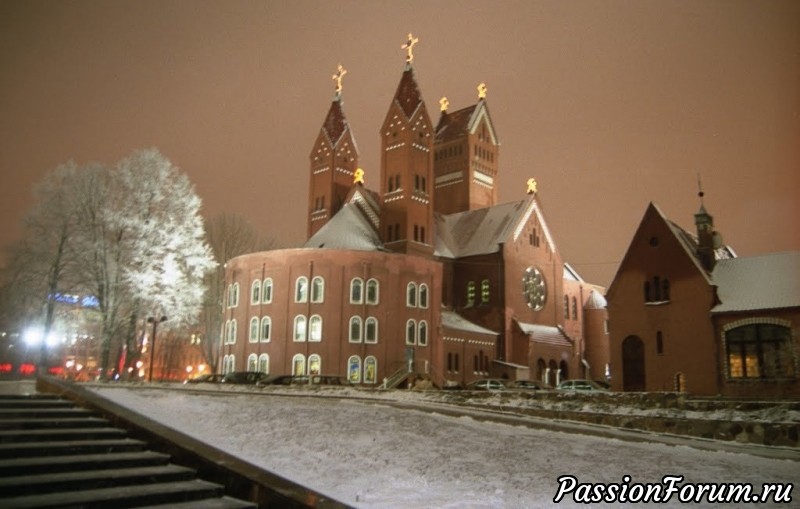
{"points": [[155, 323]]}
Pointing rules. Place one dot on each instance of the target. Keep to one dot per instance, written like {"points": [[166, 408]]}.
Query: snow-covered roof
{"points": [[595, 301], [770, 281], [454, 321], [571, 274], [545, 334], [348, 229], [480, 231]]}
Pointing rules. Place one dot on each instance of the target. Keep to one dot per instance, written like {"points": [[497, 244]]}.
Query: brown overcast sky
{"points": [[610, 104]]}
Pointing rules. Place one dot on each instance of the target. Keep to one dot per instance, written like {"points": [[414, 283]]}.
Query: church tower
{"points": [[334, 160], [466, 158], [407, 168]]}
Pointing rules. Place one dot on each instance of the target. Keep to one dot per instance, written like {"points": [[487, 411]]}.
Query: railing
{"points": [[408, 368]]}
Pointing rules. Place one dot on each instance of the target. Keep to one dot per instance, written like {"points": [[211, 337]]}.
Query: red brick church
{"points": [[424, 276]]}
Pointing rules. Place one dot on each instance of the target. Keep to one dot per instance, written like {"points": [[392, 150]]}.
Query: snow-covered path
{"points": [[376, 456]]}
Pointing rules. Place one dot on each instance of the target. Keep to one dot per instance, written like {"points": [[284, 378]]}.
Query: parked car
{"points": [[244, 377], [210, 378], [305, 380], [486, 384], [581, 385], [529, 385]]}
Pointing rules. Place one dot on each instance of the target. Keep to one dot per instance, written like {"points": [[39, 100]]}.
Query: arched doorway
{"points": [[541, 369], [633, 364], [564, 373], [552, 373]]}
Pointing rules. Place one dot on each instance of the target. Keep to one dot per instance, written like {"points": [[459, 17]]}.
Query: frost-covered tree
{"points": [[229, 236], [40, 262]]}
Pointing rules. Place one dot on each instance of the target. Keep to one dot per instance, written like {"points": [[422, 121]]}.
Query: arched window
{"points": [[657, 289], [422, 337], [266, 329], [371, 335], [314, 364], [266, 291], [356, 290], [566, 307], [317, 289], [315, 328], [665, 288], [354, 369], [228, 364], [255, 292], [370, 370], [411, 332], [471, 293], [574, 308], [759, 350], [253, 336], [423, 296], [485, 291], [373, 293], [233, 295], [232, 339], [299, 365], [263, 363], [301, 289], [647, 297], [252, 362], [355, 329], [411, 295], [299, 328]]}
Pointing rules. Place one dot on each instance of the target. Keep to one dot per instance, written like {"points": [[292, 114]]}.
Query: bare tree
{"points": [[229, 236]]}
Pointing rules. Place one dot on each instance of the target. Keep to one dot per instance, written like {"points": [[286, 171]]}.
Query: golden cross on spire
{"points": [[409, 46], [358, 176], [340, 72], [482, 91], [532, 186], [444, 103]]}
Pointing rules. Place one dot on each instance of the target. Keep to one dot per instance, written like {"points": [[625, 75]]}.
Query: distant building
{"points": [[426, 276], [686, 314]]}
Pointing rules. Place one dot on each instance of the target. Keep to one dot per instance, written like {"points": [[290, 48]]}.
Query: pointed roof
{"points": [[687, 241], [482, 231], [454, 125], [335, 123], [595, 301], [546, 334], [408, 96], [348, 229]]}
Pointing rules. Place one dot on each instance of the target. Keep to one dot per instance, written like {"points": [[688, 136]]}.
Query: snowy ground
{"points": [[372, 455]]}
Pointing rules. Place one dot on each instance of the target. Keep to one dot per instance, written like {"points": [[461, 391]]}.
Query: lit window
{"points": [[301, 289], [266, 291], [255, 292], [253, 336], [370, 370], [298, 365], [299, 328], [471, 293], [317, 289], [355, 329], [373, 293], [314, 364], [354, 369], [760, 350], [485, 291], [356, 291], [423, 296], [266, 329], [371, 330], [411, 332], [422, 337], [315, 328], [411, 295]]}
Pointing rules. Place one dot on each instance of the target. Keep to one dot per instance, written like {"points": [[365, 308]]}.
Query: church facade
{"points": [[425, 276]]}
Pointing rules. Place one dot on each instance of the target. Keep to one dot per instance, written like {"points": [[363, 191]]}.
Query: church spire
{"points": [[333, 161], [707, 238]]}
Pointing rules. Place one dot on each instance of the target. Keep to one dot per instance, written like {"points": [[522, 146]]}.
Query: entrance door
{"points": [[633, 364]]}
